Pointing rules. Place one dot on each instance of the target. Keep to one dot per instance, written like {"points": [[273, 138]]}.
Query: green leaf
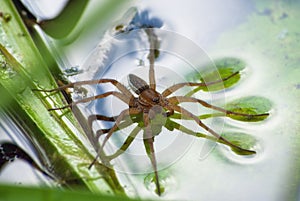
{"points": [[223, 68], [253, 105], [68, 20], [12, 193], [242, 140], [56, 135]]}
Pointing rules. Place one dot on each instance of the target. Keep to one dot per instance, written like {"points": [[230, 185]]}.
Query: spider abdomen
{"points": [[137, 84]]}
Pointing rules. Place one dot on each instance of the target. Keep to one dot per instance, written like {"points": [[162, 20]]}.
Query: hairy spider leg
{"points": [[124, 124], [99, 117], [188, 131], [125, 96], [121, 126], [200, 123], [121, 116], [154, 45], [181, 99], [175, 87], [119, 86], [148, 142], [126, 143], [95, 137], [114, 93]]}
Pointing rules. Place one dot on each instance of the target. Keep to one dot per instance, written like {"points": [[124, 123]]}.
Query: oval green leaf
{"points": [[243, 140], [257, 107], [223, 68]]}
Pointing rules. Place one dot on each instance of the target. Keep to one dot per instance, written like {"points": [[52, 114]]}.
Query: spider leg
{"points": [[148, 142], [188, 131], [126, 144], [180, 99], [123, 114], [175, 87], [188, 114], [119, 95], [100, 132], [99, 117], [94, 137], [119, 86], [122, 125], [154, 45]]}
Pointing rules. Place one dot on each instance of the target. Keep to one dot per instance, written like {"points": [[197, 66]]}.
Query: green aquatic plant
{"points": [[23, 68]]}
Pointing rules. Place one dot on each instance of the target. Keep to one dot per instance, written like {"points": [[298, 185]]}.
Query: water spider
{"points": [[144, 105], [147, 102]]}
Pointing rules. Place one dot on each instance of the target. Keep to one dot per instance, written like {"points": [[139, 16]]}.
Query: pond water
{"points": [[265, 36]]}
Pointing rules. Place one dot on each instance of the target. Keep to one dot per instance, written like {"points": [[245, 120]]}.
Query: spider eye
{"points": [[155, 100]]}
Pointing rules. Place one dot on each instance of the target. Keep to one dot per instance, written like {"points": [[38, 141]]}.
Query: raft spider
{"points": [[144, 104], [148, 102]]}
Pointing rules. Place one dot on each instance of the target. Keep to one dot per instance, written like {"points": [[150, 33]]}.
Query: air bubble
{"points": [[74, 70], [166, 180], [80, 93]]}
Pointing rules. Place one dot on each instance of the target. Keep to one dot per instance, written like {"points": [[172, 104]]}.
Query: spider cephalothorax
{"points": [[147, 97]]}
